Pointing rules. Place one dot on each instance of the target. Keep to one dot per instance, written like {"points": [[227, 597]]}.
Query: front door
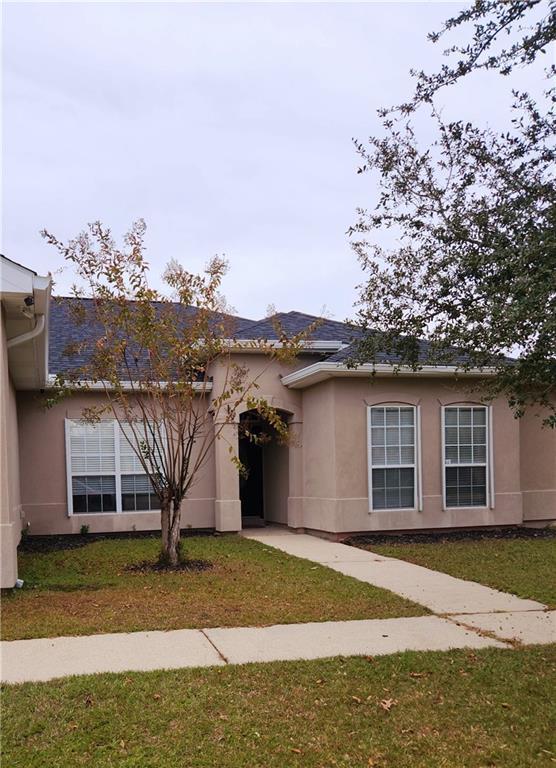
{"points": [[251, 487]]}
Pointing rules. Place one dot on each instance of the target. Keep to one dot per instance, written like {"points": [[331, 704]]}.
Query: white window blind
{"points": [[129, 461], [92, 448]]}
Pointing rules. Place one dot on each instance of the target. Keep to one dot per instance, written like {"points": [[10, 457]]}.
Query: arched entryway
{"points": [[264, 488]]}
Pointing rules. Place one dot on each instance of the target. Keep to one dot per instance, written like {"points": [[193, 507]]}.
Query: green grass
{"points": [[459, 709], [87, 590], [523, 567]]}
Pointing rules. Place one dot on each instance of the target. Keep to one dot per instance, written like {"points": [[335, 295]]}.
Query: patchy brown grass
{"points": [[492, 708], [91, 589]]}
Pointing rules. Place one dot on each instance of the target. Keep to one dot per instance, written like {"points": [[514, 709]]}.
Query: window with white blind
{"points": [[465, 440], [104, 473], [393, 442]]}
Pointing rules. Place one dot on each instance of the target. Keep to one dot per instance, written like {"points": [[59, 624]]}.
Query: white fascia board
{"points": [[253, 346], [197, 386], [42, 287], [313, 374]]}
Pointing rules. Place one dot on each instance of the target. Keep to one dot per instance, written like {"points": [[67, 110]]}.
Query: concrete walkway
{"points": [[471, 616], [439, 592]]}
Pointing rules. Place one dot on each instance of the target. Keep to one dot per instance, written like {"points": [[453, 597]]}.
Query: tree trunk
{"points": [[174, 549], [170, 528]]}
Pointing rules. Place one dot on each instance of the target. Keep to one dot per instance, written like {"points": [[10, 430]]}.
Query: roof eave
{"points": [[313, 374]]}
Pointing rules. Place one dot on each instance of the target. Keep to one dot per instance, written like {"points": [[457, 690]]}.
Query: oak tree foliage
{"points": [[473, 217]]}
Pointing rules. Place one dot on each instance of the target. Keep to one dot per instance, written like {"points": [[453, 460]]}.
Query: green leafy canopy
{"points": [[474, 217]]}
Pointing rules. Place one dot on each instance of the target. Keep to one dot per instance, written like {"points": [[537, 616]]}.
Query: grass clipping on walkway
{"points": [[525, 567], [414, 710], [91, 589]]}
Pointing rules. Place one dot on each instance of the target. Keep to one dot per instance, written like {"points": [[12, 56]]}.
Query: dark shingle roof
{"points": [[66, 333], [294, 323], [425, 356], [381, 357]]}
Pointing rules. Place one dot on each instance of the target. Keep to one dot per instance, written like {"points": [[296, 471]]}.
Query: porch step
{"points": [[252, 522]]}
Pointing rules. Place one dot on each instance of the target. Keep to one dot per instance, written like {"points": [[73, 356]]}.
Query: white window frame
{"points": [[117, 474], [416, 466], [488, 464]]}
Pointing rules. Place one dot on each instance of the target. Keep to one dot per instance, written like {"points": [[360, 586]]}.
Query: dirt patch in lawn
{"points": [[44, 544], [148, 566]]}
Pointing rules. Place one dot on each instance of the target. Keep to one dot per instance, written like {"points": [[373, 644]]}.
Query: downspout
{"points": [[28, 335]]}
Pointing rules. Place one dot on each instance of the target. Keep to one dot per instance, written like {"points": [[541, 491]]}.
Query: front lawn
{"points": [[414, 710], [88, 590], [523, 566]]}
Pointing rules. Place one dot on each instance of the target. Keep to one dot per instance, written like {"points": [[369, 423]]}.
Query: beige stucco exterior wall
{"points": [[265, 376], [276, 483], [43, 476], [10, 503], [538, 468], [319, 481], [214, 497], [335, 457]]}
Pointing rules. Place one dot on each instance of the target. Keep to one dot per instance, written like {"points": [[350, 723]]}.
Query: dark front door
{"points": [[251, 487]]}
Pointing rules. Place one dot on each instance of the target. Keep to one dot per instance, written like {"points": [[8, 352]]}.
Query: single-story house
{"points": [[390, 452]]}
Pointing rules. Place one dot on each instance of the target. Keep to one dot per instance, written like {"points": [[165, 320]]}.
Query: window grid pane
{"points": [[392, 456], [94, 494], [465, 456], [138, 494]]}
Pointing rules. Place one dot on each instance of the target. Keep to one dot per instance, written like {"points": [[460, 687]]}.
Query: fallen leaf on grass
{"points": [[387, 704]]}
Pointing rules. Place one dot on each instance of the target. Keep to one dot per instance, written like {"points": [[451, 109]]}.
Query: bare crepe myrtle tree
{"points": [[153, 356]]}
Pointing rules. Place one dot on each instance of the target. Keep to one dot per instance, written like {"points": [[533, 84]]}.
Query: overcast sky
{"points": [[227, 127]]}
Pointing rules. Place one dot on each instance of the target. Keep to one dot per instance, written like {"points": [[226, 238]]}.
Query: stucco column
{"points": [[295, 495], [227, 506]]}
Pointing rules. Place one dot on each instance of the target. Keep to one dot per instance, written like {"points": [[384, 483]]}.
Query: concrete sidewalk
{"points": [[47, 658], [439, 592]]}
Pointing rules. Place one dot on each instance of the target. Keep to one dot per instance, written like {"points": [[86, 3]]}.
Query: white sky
{"points": [[226, 126]]}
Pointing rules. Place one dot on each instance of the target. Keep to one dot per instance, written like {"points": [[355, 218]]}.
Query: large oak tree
{"points": [[473, 216]]}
